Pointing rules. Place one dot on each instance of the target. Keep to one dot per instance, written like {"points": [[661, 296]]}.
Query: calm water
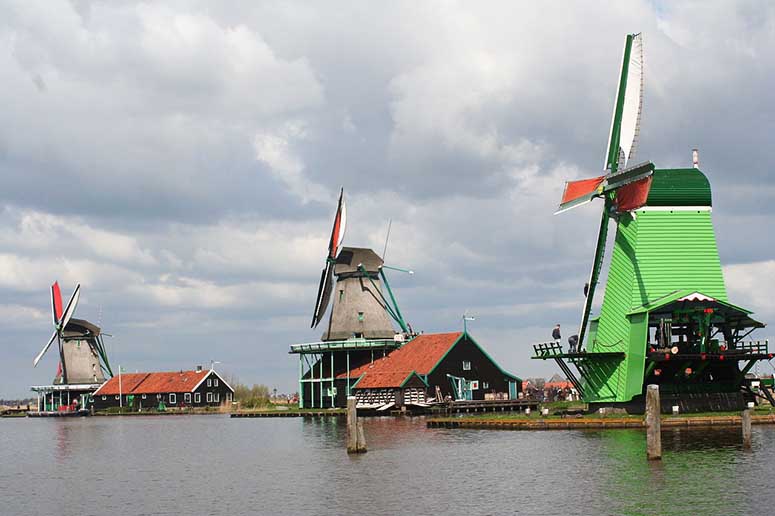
{"points": [[215, 465]]}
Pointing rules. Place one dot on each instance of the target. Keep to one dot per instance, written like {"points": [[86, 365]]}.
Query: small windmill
{"points": [[360, 308], [82, 356], [624, 188]]}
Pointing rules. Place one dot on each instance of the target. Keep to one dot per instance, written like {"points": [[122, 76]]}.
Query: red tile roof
{"points": [[420, 354], [151, 383], [385, 379]]}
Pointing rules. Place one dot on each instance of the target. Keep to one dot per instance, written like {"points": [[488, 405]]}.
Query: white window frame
{"points": [[209, 382], [474, 385], [197, 397], [117, 396], [209, 397], [466, 365], [215, 382], [173, 398], [143, 396], [217, 397], [104, 398], [186, 397]]}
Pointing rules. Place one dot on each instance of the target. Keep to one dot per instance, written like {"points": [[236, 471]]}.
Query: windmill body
{"points": [[665, 317], [358, 309]]}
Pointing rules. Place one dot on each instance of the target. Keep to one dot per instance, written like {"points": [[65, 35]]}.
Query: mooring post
{"points": [[747, 428], [352, 426], [653, 424]]}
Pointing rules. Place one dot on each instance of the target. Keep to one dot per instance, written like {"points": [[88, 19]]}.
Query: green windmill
{"points": [[665, 317]]}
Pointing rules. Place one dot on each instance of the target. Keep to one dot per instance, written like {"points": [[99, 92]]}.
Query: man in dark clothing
{"points": [[556, 333], [573, 341]]}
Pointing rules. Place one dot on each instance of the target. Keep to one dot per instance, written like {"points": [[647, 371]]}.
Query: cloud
{"points": [[182, 162]]}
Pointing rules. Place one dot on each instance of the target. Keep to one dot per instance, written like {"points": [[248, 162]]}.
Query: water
{"points": [[215, 465]]}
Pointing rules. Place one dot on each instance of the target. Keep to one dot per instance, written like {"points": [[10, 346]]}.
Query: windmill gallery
{"points": [[665, 317]]}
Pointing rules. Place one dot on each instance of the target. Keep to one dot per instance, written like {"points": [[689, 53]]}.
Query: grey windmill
{"points": [[82, 356], [361, 308]]}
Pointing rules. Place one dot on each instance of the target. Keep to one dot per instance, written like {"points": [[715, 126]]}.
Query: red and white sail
{"points": [[327, 274]]}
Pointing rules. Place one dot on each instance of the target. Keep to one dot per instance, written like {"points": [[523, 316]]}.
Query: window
{"points": [[104, 398], [209, 382], [466, 365], [209, 397], [173, 398], [187, 397], [143, 396], [474, 385], [341, 295], [217, 397], [117, 396], [197, 398], [215, 382], [360, 316], [228, 396], [485, 385]]}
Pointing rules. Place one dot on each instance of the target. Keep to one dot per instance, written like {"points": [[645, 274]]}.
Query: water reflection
{"points": [[216, 465]]}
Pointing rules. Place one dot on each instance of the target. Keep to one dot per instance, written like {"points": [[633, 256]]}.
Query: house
{"points": [[451, 364], [178, 389]]}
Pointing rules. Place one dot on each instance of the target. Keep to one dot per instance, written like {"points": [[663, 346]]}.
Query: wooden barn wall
{"points": [[482, 369]]}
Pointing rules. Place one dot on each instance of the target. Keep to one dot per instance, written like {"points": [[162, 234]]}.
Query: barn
{"points": [[450, 365], [178, 389]]}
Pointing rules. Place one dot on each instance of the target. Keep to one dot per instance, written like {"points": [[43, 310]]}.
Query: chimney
{"points": [[695, 158], [198, 369]]}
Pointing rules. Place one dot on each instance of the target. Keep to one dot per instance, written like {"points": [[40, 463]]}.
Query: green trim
{"points": [[358, 380], [409, 377], [675, 296]]}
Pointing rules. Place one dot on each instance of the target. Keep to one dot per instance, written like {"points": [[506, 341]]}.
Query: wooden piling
{"points": [[747, 428], [356, 441], [653, 424]]}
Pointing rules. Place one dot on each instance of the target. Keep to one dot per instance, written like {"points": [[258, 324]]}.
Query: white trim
{"points": [[173, 398], [197, 397], [209, 382], [186, 395], [675, 208], [209, 397], [213, 371]]}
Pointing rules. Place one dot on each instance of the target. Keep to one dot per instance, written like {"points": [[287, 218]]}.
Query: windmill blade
{"points": [[70, 308], [340, 223], [56, 303], [324, 294], [625, 120], [633, 101], [579, 192], [43, 351]]}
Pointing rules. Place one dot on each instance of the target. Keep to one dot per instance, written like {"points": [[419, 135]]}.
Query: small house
{"points": [[431, 366], [179, 389]]}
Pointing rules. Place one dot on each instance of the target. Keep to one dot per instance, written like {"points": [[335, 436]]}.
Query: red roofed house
{"points": [[182, 389], [453, 363]]}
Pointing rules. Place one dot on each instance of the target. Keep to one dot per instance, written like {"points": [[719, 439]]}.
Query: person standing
{"points": [[556, 334]]}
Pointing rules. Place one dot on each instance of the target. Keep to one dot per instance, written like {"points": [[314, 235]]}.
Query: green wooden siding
{"points": [[656, 252]]}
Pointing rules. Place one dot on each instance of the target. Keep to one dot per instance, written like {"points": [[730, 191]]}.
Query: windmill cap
{"points": [[351, 258]]}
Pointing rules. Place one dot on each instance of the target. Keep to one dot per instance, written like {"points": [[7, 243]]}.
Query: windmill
{"points": [[82, 356], [665, 317], [361, 323], [623, 189]]}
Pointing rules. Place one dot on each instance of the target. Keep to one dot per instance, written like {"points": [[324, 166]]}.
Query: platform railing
{"points": [[547, 349]]}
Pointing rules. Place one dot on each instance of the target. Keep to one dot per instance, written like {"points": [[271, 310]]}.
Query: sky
{"points": [[182, 162]]}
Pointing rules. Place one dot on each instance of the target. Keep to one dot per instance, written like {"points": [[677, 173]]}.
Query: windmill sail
{"points": [[625, 121], [326, 276]]}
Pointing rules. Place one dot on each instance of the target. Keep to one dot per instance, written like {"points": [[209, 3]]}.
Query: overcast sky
{"points": [[182, 160]]}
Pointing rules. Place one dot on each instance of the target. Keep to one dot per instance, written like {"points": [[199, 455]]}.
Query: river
{"points": [[214, 465]]}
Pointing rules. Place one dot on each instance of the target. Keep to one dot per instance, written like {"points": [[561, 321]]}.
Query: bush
{"points": [[251, 397]]}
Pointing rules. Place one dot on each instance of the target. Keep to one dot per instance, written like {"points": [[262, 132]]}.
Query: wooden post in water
{"points": [[653, 424], [356, 441], [747, 428]]}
